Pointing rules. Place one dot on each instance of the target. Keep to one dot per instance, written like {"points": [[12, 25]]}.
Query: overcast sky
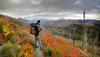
{"points": [[54, 9]]}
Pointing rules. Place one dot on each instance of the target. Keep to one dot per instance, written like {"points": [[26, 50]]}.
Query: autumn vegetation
{"points": [[74, 33], [16, 41]]}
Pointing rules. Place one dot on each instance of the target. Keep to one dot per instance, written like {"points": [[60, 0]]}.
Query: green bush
{"points": [[0, 26], [9, 50], [98, 53], [50, 52]]}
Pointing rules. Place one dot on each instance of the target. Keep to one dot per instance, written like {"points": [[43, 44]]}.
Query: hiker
{"points": [[35, 30]]}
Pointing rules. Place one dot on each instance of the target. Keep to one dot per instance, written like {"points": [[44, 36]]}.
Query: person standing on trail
{"points": [[35, 30]]}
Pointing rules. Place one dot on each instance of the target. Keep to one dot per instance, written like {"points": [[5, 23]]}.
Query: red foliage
{"points": [[66, 50]]}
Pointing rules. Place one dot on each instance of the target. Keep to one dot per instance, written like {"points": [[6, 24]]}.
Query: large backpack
{"points": [[32, 30]]}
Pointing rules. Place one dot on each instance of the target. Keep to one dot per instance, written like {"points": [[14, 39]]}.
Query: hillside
{"points": [[16, 41], [60, 23], [14, 37]]}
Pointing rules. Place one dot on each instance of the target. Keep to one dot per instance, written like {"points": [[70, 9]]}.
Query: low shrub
{"points": [[10, 49], [50, 52]]}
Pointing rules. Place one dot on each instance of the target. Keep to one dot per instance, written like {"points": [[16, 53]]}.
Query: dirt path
{"points": [[39, 52]]}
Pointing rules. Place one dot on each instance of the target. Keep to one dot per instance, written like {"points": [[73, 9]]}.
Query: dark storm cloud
{"points": [[26, 7]]}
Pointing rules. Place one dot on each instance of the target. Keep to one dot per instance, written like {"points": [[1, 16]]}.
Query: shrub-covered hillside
{"points": [[15, 41]]}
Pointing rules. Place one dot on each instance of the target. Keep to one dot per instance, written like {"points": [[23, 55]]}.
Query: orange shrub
{"points": [[26, 50], [59, 46]]}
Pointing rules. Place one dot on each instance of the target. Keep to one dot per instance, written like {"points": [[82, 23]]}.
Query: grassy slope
{"points": [[53, 46]]}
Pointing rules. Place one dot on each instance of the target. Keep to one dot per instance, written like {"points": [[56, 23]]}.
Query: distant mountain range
{"points": [[59, 22], [68, 22], [43, 21], [62, 22]]}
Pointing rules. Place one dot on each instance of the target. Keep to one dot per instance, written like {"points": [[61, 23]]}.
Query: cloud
{"points": [[65, 15], [35, 1], [78, 2], [15, 1], [49, 8], [98, 6]]}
